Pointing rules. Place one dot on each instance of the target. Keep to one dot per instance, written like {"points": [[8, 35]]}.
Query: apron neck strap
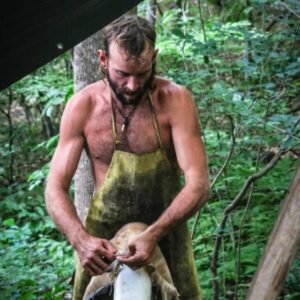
{"points": [[154, 119], [113, 122], [155, 122]]}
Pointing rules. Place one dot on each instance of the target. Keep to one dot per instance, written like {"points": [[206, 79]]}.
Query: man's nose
{"points": [[133, 83]]}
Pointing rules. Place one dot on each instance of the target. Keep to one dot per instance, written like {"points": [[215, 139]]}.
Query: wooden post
{"points": [[86, 71], [282, 245]]}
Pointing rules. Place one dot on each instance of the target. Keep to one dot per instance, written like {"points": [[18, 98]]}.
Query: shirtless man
{"points": [[139, 129]]}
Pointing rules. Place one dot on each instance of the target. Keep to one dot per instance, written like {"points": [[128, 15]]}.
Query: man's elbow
{"points": [[203, 190]]}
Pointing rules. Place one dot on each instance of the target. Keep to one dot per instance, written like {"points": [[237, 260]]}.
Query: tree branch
{"points": [[4, 112], [236, 202], [205, 57], [227, 211], [289, 9], [251, 179], [233, 137], [238, 262]]}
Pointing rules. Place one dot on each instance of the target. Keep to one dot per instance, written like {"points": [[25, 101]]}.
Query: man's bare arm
{"points": [[62, 169], [58, 202], [191, 157]]}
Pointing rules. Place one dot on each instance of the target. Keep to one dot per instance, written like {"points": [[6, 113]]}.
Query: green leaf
{"points": [[9, 222]]}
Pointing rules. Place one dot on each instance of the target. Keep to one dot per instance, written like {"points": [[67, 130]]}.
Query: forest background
{"points": [[240, 59]]}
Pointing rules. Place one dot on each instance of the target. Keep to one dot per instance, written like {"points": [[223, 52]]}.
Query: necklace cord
{"points": [[126, 118], [130, 115], [114, 132]]}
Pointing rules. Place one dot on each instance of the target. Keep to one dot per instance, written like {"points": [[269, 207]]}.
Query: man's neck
{"points": [[128, 106]]}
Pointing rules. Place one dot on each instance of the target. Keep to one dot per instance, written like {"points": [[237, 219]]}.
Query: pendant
{"points": [[126, 121]]}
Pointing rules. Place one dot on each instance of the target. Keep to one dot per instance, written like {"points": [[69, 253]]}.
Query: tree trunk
{"points": [[281, 248], [86, 71], [151, 12]]}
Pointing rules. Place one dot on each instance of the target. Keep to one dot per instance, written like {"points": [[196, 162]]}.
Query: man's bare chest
{"points": [[139, 136]]}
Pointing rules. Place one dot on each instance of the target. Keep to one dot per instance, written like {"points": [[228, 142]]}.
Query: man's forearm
{"points": [[186, 203], [63, 214]]}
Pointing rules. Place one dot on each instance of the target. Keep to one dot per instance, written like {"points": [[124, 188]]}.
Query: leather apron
{"points": [[138, 188]]}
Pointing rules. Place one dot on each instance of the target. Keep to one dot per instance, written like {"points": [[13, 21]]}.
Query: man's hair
{"points": [[131, 33]]}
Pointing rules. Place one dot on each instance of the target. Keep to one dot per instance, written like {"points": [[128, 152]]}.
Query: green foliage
{"points": [[250, 81], [35, 259], [34, 106], [29, 266]]}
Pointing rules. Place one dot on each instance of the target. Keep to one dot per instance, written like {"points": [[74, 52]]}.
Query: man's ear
{"points": [[102, 58], [154, 55]]}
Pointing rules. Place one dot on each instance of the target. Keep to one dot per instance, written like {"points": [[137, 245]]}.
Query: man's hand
{"points": [[140, 251], [95, 254]]}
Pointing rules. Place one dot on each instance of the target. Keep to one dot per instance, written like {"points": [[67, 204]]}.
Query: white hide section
{"points": [[132, 285]]}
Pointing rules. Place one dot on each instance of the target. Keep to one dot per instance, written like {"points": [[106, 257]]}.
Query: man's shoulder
{"points": [[86, 98], [171, 92]]}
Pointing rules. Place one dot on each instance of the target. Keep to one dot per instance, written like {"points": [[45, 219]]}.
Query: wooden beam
{"points": [[32, 33], [281, 248]]}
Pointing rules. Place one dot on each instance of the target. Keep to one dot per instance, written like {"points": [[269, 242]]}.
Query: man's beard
{"points": [[134, 97]]}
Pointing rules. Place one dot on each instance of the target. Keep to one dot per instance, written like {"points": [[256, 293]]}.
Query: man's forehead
{"points": [[116, 51]]}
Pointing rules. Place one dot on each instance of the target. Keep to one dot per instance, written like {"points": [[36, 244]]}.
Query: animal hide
{"points": [[157, 269]]}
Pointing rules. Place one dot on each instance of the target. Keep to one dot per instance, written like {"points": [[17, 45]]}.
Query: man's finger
{"points": [[110, 254], [129, 259], [90, 271], [93, 269], [110, 247], [100, 263]]}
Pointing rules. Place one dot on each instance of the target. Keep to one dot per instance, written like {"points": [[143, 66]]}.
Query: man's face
{"points": [[129, 77]]}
